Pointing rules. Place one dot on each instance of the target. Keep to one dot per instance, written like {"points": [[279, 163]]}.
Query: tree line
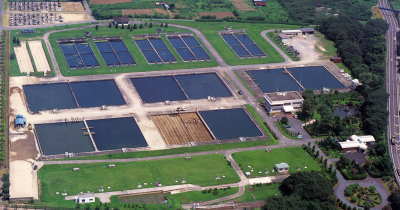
{"points": [[362, 48]]}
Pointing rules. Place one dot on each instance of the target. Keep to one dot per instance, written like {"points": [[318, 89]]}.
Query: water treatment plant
{"points": [[163, 107]]}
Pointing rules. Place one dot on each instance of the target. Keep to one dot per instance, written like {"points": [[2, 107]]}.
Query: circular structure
{"points": [[361, 196]]}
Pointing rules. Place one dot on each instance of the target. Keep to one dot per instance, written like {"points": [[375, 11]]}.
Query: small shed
{"points": [[282, 168], [85, 198], [260, 3], [307, 31], [20, 121], [336, 59]]}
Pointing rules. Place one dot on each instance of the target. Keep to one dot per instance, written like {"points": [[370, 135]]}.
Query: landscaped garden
{"points": [[350, 169], [366, 197]]}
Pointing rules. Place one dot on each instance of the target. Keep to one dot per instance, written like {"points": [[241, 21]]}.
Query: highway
{"points": [[392, 85]]}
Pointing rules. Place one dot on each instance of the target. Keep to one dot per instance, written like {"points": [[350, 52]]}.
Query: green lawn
{"points": [[327, 47], [261, 124], [210, 30], [262, 192], [262, 161], [91, 177], [126, 35], [181, 150], [199, 196]]}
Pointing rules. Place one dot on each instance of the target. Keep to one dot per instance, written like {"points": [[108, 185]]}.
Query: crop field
{"points": [[132, 175], [243, 5], [262, 163], [109, 1], [126, 36], [187, 9], [144, 11], [184, 128]]}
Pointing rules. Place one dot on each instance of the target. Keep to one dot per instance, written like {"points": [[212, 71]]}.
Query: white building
{"points": [[357, 143], [288, 102], [85, 198]]}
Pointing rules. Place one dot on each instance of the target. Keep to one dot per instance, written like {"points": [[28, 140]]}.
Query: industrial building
{"points": [[288, 102]]}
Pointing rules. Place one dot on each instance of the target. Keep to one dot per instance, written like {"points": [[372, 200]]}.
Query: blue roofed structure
{"points": [[20, 121]]}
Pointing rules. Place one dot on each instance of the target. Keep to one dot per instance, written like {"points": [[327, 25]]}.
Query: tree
{"points": [[134, 26], [97, 27], [317, 193], [166, 25], [307, 185], [150, 25], [109, 25], [140, 26], [394, 199], [284, 120]]}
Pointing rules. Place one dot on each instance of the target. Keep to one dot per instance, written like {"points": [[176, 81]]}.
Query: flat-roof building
{"points": [[291, 101], [282, 168], [357, 143]]}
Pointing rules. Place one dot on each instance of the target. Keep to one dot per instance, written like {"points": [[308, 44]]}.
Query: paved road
{"points": [[392, 84], [278, 49]]}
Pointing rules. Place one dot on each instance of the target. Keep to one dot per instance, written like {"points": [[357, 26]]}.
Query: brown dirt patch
{"points": [[24, 148], [242, 5], [181, 128], [144, 11], [219, 15], [72, 7], [109, 1]]}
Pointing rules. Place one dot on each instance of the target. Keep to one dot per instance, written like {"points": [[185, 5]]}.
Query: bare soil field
{"points": [[39, 56], [178, 129], [218, 15], [144, 11], [242, 5], [109, 1], [71, 17], [23, 59], [72, 7]]}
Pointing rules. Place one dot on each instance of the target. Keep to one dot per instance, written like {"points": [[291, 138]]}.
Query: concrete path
{"points": [[277, 48]]}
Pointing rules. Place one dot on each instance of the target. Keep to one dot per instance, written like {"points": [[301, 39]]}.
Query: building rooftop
{"points": [[281, 165], [283, 96], [307, 29], [357, 142]]}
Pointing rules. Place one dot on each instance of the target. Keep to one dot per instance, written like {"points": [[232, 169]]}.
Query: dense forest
{"points": [[362, 47], [304, 190]]}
